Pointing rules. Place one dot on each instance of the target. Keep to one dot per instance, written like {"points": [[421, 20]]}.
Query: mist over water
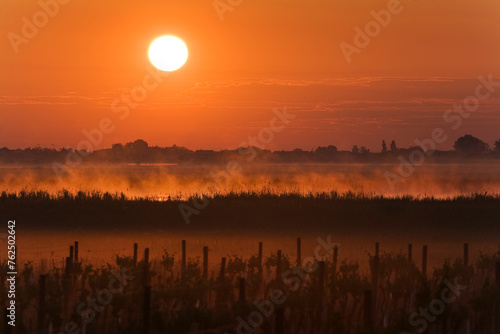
{"points": [[182, 181]]}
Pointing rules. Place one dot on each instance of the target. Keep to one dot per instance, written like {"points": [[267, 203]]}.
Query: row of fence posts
{"points": [[370, 296]]}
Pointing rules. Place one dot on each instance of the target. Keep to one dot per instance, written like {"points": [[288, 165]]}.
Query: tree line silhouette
{"points": [[139, 151]]}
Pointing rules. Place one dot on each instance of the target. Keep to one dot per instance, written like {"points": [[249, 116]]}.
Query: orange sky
{"points": [[263, 55]]}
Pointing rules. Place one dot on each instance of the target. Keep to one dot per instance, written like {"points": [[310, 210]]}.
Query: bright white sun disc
{"points": [[168, 53]]}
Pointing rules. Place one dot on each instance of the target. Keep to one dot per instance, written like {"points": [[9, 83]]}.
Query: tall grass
{"points": [[183, 302]]}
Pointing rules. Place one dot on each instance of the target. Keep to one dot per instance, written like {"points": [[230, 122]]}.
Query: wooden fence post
{"points": [[278, 267], [76, 251], [222, 270], [424, 260], [69, 265], [299, 252], [410, 253], [222, 291], [335, 259], [41, 305], [497, 273], [135, 254], [205, 263], [321, 273], [260, 256], [466, 254], [375, 275], [321, 282], [183, 255], [146, 268]]}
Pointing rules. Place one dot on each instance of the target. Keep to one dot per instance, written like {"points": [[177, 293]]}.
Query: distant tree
{"points": [[394, 148], [470, 145], [497, 147], [326, 150], [117, 147], [138, 150], [364, 150], [384, 146], [138, 145], [325, 153], [355, 149]]}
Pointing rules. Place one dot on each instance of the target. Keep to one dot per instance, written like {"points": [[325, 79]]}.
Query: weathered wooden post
{"points": [[367, 311], [321, 273], [424, 260], [410, 253], [69, 265], [260, 256], [335, 259], [278, 267], [41, 305], [76, 251], [222, 291], [321, 283], [135, 254], [183, 255], [242, 298], [71, 255], [205, 263], [146, 268], [146, 309], [375, 275], [222, 270], [299, 252], [497, 273], [466, 254], [279, 321]]}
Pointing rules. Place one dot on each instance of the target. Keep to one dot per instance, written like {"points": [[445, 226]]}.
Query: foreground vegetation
{"points": [[325, 295], [237, 294]]}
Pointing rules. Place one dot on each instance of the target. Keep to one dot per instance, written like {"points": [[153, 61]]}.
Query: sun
{"points": [[168, 53]]}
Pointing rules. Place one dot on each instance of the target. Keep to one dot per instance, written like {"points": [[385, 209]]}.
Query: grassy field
{"points": [[108, 224], [231, 226], [164, 294], [261, 212]]}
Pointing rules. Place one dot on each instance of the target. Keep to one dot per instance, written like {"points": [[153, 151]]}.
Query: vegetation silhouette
{"points": [[183, 301], [256, 211], [139, 152]]}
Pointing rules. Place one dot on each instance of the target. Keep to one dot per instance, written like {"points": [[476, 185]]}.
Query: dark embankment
{"points": [[475, 214]]}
